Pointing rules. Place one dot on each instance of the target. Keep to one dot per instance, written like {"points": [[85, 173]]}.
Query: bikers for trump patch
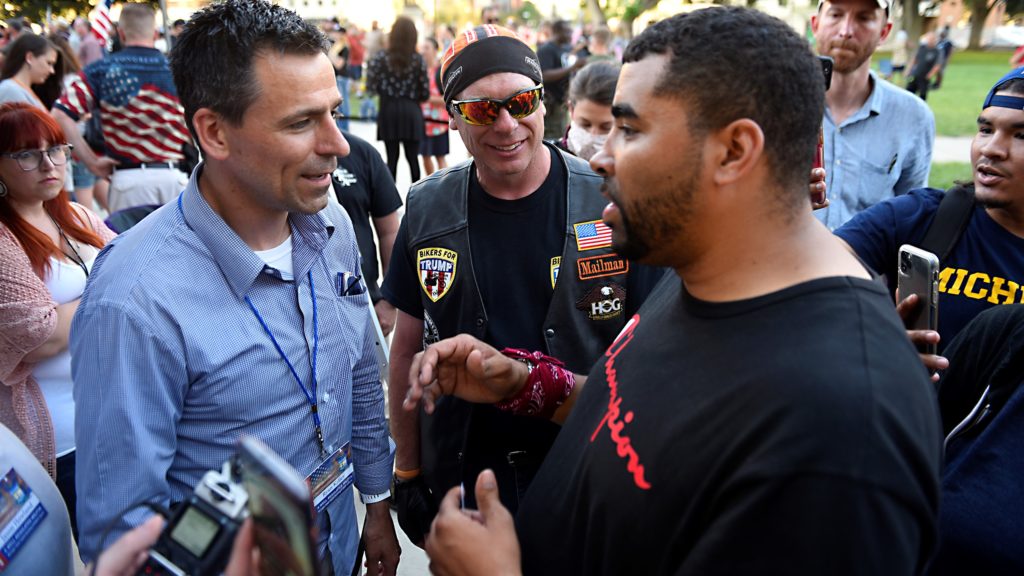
{"points": [[437, 270], [556, 264]]}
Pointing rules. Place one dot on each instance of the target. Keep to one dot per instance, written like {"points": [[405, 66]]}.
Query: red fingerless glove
{"points": [[547, 386]]}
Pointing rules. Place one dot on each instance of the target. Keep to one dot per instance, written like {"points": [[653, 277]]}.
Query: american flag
{"points": [[592, 235], [141, 122], [101, 25]]}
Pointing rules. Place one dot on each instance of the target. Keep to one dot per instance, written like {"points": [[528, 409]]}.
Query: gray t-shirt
{"points": [[11, 91]]}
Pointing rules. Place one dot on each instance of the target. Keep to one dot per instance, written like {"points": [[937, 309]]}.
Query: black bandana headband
{"points": [[482, 51]]}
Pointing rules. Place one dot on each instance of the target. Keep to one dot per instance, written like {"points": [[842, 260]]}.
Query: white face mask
{"points": [[583, 143]]}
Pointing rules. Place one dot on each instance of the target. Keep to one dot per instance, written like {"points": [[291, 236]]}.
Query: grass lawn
{"points": [[944, 173], [968, 79]]}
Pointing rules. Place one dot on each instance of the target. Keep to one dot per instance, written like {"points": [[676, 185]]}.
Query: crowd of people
{"points": [[626, 335]]}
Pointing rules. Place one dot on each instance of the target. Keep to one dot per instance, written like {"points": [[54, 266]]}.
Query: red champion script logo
{"points": [[623, 446]]}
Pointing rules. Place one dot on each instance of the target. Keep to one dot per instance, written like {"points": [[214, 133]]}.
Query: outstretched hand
{"points": [[465, 367], [474, 542], [921, 338]]}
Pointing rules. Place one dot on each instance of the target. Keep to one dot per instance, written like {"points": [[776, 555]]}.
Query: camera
{"points": [[256, 482], [199, 535], [904, 262]]}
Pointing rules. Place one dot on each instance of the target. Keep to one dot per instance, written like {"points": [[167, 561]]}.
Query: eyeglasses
{"points": [[484, 111], [29, 160]]}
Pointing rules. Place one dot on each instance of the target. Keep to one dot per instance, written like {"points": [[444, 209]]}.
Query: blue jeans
{"points": [[368, 107], [343, 109]]}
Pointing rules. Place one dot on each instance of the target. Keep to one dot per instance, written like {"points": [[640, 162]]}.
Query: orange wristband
{"points": [[406, 474]]}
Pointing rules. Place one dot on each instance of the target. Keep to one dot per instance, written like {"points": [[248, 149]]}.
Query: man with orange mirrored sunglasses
{"points": [[509, 247]]}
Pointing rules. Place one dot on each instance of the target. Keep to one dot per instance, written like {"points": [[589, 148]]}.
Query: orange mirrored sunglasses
{"points": [[484, 111]]}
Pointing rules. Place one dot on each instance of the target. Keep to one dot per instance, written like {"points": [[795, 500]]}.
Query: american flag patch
{"points": [[592, 235]]}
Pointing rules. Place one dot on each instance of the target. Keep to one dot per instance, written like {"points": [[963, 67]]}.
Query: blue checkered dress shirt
{"points": [[170, 365]]}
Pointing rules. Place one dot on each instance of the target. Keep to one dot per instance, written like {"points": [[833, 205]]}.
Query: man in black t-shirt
{"points": [[558, 60], [365, 189], [508, 247], [764, 411], [925, 66]]}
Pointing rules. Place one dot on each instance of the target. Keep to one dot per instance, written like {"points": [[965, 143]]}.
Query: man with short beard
{"points": [[763, 412], [986, 265], [878, 137]]}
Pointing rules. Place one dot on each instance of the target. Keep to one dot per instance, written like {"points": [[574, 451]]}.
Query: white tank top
{"points": [[66, 282]]}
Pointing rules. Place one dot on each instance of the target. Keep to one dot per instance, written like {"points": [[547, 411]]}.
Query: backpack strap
{"points": [[951, 218]]}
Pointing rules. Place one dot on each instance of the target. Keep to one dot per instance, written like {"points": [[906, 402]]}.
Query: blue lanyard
{"points": [[311, 398]]}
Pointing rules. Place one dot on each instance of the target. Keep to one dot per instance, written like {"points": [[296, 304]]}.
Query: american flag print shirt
{"points": [[134, 92]]}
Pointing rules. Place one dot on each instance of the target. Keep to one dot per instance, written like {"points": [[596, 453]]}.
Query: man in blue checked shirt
{"points": [[231, 310]]}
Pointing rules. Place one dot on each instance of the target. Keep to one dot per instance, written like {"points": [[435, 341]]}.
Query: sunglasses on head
{"points": [[484, 111]]}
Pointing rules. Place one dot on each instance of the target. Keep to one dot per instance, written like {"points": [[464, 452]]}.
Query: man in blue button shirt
{"points": [[878, 138], [238, 307]]}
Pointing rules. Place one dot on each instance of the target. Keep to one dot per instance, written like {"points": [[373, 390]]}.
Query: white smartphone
{"points": [[918, 273], [281, 507]]}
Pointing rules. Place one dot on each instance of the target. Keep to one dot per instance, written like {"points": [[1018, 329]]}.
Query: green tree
{"points": [[599, 11], [1014, 8], [628, 11], [528, 13], [455, 13], [35, 10], [633, 10]]}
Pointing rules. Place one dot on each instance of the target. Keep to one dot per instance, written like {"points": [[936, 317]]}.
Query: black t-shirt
{"points": [[926, 59], [793, 433], [551, 57], [365, 189], [514, 243]]}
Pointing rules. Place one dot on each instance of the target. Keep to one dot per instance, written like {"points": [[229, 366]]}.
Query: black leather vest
{"points": [[586, 312], [587, 308]]}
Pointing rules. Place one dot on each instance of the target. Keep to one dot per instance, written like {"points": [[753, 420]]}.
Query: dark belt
{"points": [[146, 165]]}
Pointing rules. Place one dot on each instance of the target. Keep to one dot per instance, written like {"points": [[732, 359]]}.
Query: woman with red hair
{"points": [[47, 247]]}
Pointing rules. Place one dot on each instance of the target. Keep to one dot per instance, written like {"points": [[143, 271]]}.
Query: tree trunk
{"points": [[597, 16], [626, 27], [912, 25], [979, 14]]}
